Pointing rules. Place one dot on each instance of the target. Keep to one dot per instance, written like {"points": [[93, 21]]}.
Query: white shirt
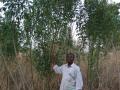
{"points": [[71, 77]]}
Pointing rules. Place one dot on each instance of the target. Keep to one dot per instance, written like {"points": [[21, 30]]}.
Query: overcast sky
{"points": [[74, 35], [73, 28], [116, 1]]}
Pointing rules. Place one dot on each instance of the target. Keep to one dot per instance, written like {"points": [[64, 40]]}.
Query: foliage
{"points": [[99, 32], [42, 30], [51, 27], [34, 27]]}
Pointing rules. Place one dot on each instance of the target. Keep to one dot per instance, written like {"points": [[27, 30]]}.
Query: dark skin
{"points": [[70, 59]]}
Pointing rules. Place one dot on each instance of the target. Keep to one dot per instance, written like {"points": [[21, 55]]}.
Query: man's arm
{"points": [[79, 80], [57, 69]]}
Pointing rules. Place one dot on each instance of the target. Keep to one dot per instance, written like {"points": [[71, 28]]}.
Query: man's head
{"points": [[70, 58]]}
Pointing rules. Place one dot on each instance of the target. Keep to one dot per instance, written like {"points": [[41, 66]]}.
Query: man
{"points": [[71, 75]]}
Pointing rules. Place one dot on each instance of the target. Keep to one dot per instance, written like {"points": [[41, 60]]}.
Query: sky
{"points": [[116, 1], [74, 32], [73, 25]]}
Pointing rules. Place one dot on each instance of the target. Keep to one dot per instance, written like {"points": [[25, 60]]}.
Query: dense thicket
{"points": [[42, 30]]}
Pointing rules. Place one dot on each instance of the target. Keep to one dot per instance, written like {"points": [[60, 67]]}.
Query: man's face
{"points": [[69, 58]]}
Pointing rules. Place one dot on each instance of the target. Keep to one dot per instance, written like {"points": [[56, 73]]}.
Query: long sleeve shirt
{"points": [[71, 77]]}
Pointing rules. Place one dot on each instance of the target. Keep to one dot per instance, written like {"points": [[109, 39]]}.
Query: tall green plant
{"points": [[99, 29], [11, 26], [51, 19]]}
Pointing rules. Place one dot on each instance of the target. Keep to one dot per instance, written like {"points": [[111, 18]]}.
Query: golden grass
{"points": [[18, 75]]}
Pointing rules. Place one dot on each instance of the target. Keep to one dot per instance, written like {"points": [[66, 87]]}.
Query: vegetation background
{"points": [[36, 33]]}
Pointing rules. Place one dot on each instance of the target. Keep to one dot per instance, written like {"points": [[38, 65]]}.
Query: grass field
{"points": [[18, 74]]}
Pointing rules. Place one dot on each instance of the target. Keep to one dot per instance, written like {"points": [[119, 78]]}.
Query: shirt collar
{"points": [[70, 65]]}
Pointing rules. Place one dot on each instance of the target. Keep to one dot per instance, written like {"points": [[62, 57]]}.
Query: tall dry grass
{"points": [[109, 72], [18, 75]]}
